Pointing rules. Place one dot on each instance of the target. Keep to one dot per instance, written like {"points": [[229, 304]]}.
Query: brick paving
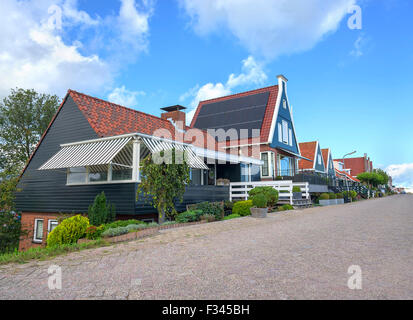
{"points": [[293, 255]]}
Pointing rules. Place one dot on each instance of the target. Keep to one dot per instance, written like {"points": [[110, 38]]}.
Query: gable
{"points": [[284, 126], [319, 165]]}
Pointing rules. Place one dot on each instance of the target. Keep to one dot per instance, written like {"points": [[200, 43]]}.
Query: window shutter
{"points": [[290, 137], [280, 135]]}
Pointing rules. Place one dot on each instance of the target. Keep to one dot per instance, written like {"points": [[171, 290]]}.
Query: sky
{"points": [[349, 62]]}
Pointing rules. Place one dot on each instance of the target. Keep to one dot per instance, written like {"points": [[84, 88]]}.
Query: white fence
{"points": [[239, 190]]}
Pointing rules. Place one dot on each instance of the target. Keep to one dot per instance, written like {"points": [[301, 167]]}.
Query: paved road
{"points": [[296, 255]]}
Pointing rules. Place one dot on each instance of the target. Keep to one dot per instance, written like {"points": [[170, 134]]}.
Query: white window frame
{"points": [[280, 133], [284, 103], [271, 164], [319, 160], [290, 137], [35, 239], [49, 225], [285, 131]]}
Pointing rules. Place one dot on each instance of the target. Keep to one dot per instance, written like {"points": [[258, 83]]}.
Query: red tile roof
{"points": [[269, 111], [357, 165], [308, 150], [340, 174], [325, 153]]}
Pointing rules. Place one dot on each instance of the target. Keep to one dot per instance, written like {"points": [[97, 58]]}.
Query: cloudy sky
{"points": [[351, 89]]}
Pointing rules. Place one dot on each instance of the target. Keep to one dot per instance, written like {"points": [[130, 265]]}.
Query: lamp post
{"points": [[344, 169]]}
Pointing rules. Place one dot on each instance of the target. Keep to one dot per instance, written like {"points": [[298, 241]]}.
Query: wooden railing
{"points": [[239, 190]]}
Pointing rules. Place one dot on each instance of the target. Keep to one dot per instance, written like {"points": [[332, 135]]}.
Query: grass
{"points": [[48, 253]]}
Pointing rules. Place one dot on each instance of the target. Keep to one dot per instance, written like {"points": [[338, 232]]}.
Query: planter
{"points": [[259, 212], [333, 202], [340, 201], [297, 196], [325, 203]]}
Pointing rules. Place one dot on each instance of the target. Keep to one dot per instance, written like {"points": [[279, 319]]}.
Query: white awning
{"points": [[94, 153], [156, 145]]}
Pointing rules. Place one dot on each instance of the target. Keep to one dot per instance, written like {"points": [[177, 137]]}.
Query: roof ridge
{"points": [[118, 105], [238, 93]]}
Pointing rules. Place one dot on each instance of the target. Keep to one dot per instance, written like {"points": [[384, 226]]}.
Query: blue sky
{"points": [[350, 89]]}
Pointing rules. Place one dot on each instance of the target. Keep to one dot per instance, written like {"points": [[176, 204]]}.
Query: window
{"points": [[265, 170], [99, 176], [285, 166], [38, 230], [290, 137], [285, 131], [52, 224], [319, 160], [280, 133], [76, 175], [121, 174], [284, 104]]}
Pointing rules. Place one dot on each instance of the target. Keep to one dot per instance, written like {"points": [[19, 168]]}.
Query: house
{"points": [[257, 123], [92, 145], [328, 163], [314, 161], [357, 165]]}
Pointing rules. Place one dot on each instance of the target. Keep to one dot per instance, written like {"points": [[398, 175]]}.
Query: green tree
{"points": [[383, 177], [164, 183], [24, 116], [101, 211]]}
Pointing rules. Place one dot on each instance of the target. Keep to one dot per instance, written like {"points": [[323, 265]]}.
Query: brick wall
{"points": [[28, 219]]}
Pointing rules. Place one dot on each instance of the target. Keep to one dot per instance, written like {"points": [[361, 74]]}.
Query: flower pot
{"points": [[324, 203], [297, 196], [259, 212]]}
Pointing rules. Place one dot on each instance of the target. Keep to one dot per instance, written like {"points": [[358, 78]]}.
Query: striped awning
{"points": [[86, 154], [157, 145]]}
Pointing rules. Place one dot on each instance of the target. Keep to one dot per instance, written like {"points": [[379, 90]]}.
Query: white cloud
{"points": [[402, 174], [124, 97], [252, 74], [269, 27], [34, 55]]}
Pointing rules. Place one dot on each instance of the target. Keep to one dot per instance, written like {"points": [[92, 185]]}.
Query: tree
{"points": [[101, 211], [383, 177], [163, 183], [24, 117]]}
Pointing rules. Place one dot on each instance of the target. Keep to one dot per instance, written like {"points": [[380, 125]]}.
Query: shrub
{"points": [[332, 196], [208, 218], [188, 216], [133, 227], [324, 196], [287, 207], [269, 192], [242, 208], [296, 189], [232, 216], [152, 225], [69, 231], [114, 232], [284, 191], [339, 195], [168, 223], [101, 211], [94, 233], [211, 208], [228, 205], [280, 209], [122, 223], [260, 200]]}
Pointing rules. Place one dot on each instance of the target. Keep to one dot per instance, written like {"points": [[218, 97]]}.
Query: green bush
{"points": [[280, 209], [269, 192], [228, 205], [188, 216], [94, 233], [208, 218], [284, 191], [101, 211], [114, 232], [242, 208], [332, 196], [232, 216], [168, 223], [152, 225], [287, 207], [324, 196], [211, 208], [260, 200], [122, 223], [296, 189], [339, 195], [69, 231], [133, 227]]}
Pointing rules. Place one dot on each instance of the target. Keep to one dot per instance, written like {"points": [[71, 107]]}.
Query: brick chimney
{"points": [[175, 115]]}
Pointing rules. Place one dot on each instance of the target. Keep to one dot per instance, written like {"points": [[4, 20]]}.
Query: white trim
{"points": [[136, 160], [271, 164], [35, 231], [49, 222], [277, 108]]}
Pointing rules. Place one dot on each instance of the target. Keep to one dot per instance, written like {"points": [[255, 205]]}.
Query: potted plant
{"points": [[333, 198], [340, 198], [324, 199], [297, 194], [260, 206]]}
